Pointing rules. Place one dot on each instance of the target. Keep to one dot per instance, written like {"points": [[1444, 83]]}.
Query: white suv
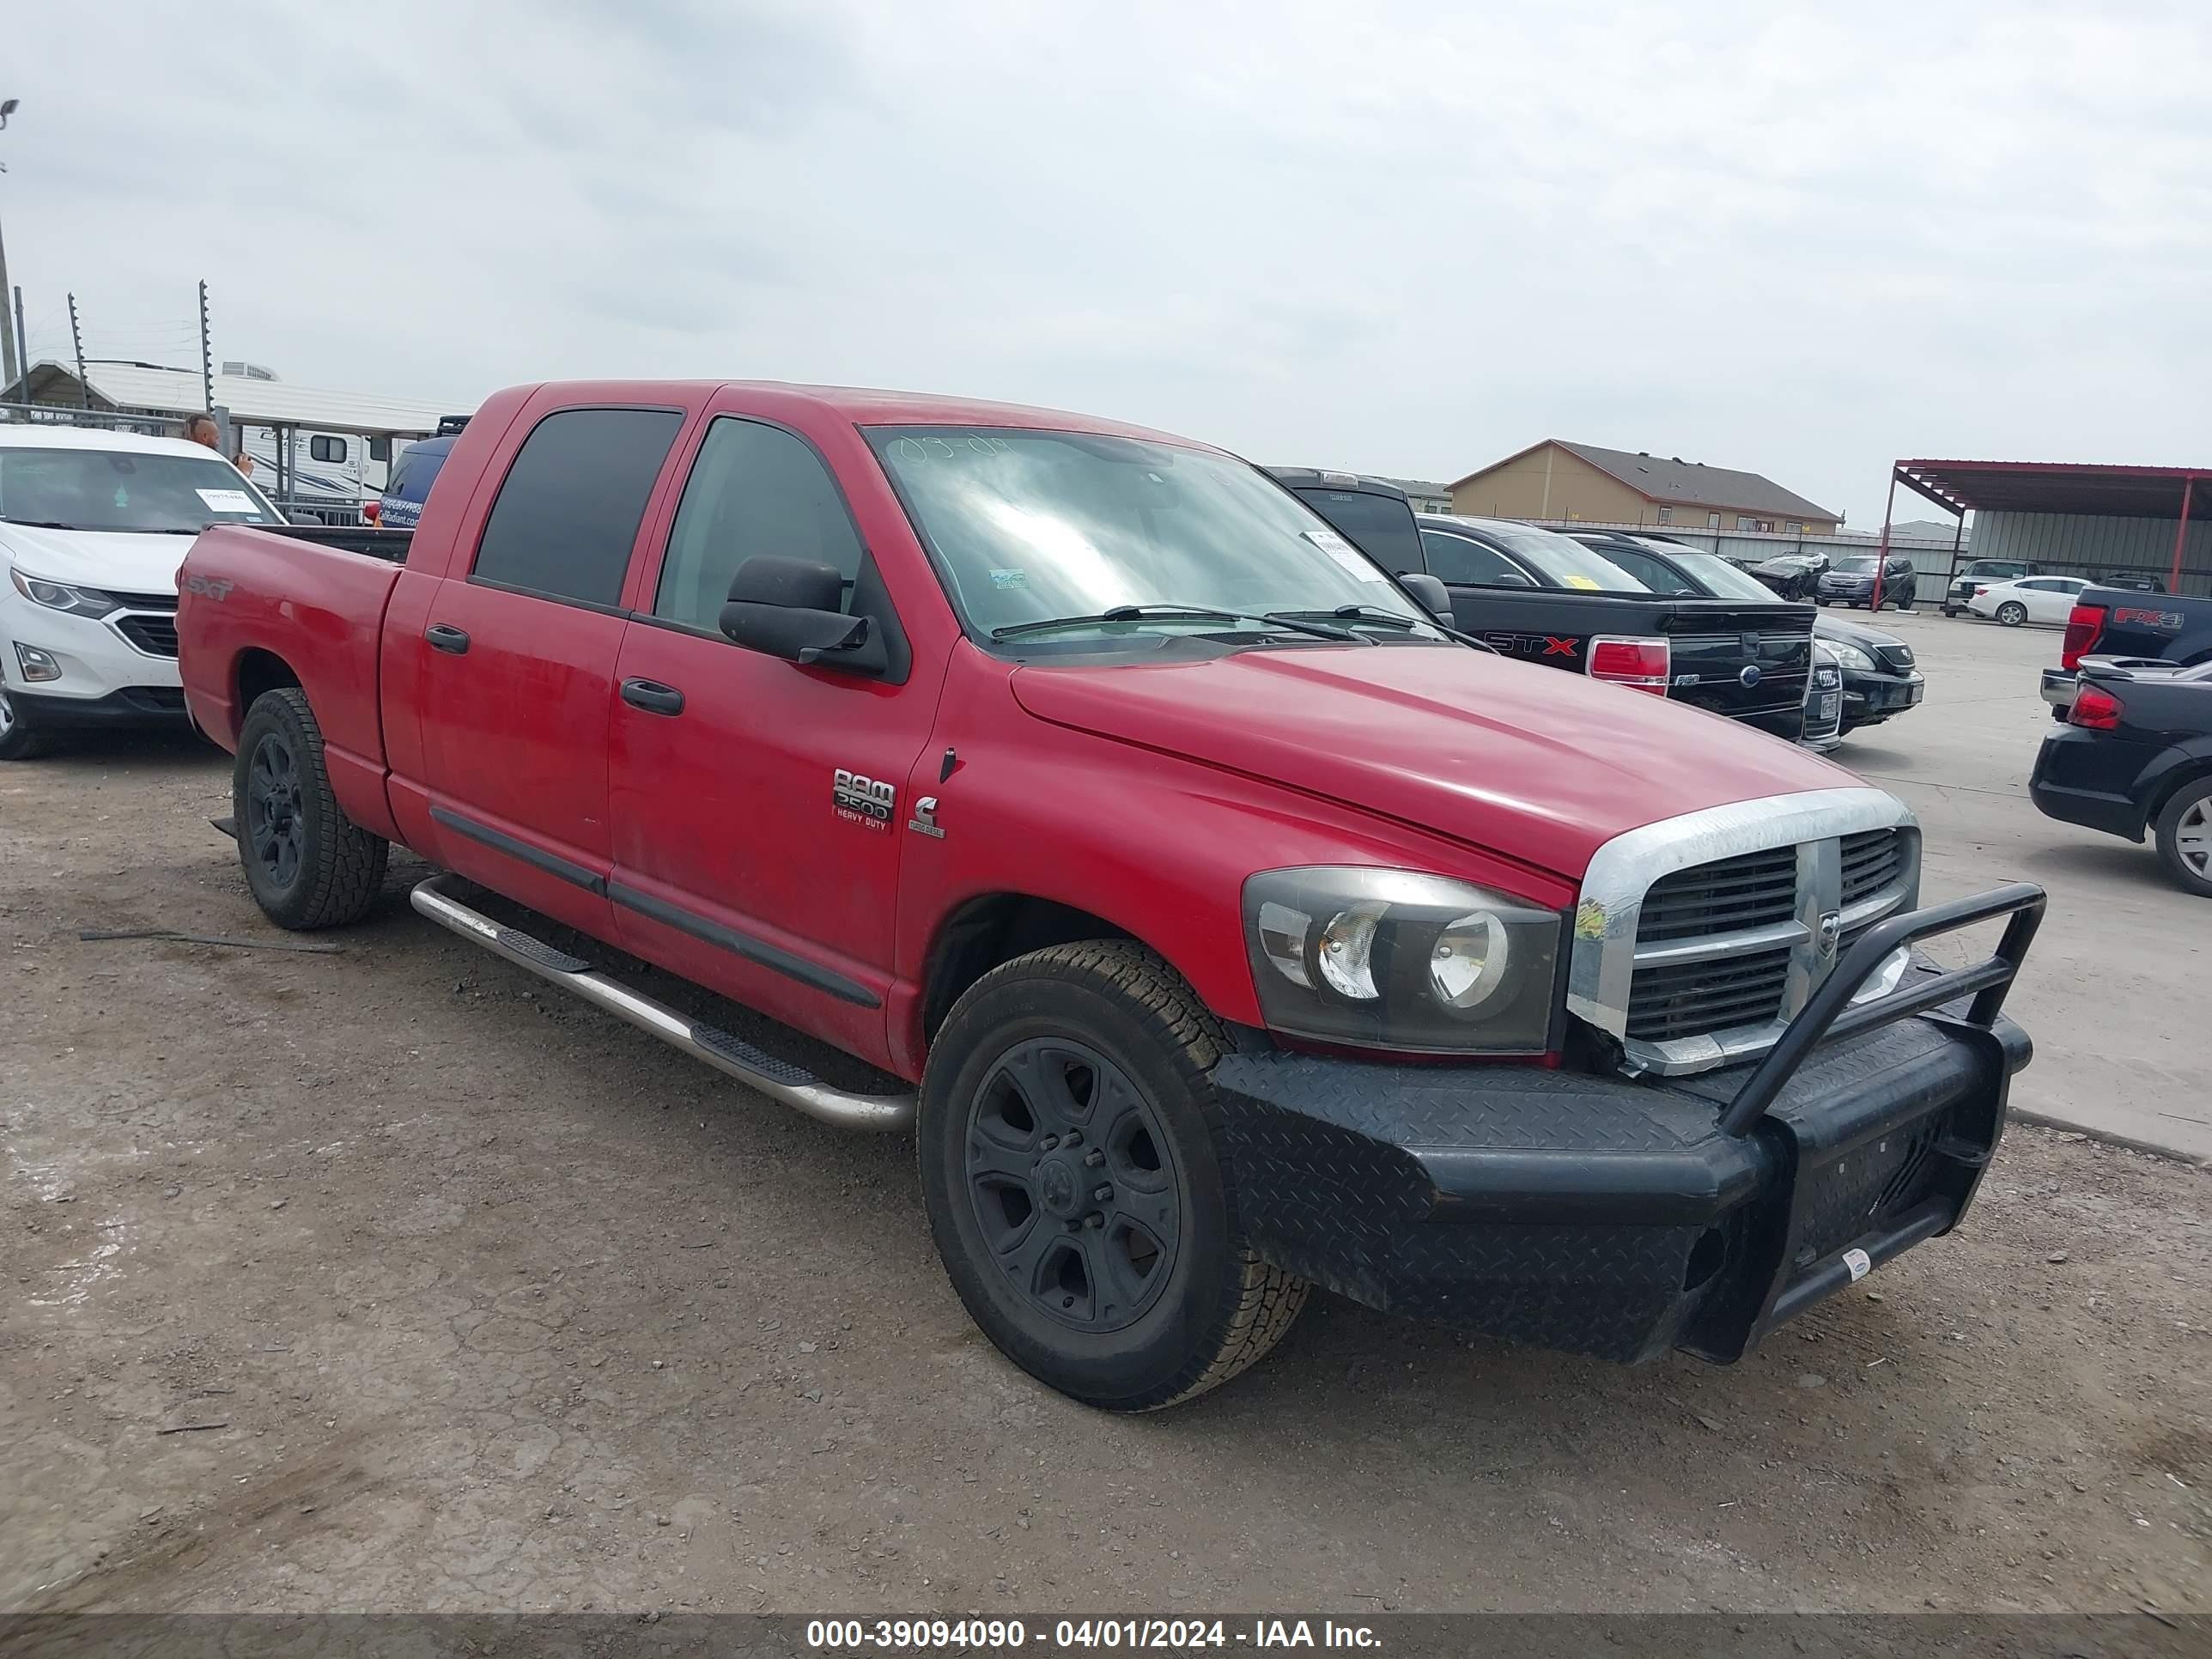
{"points": [[93, 526]]}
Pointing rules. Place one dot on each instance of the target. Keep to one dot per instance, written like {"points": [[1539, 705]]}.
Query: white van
{"points": [[93, 526]]}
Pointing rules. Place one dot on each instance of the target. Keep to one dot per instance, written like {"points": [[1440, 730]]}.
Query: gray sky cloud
{"points": [[1410, 239]]}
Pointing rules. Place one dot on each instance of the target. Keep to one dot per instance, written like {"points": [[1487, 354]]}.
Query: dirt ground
{"points": [[385, 1279]]}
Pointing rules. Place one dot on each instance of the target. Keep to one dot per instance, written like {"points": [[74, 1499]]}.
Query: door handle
{"points": [[652, 696], [443, 637]]}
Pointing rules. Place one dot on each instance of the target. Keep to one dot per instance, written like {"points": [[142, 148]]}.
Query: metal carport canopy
{"points": [[2090, 491], [2117, 492]]}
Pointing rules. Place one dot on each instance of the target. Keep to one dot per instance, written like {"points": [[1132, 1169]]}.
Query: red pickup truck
{"points": [[1237, 928]]}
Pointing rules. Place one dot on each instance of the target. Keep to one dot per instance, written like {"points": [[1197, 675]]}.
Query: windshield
{"points": [[118, 489], [1030, 526], [1565, 563], [1721, 579], [1381, 526], [1854, 566]]}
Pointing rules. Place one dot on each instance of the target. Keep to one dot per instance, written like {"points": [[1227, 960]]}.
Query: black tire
{"points": [[1082, 1025], [2184, 829], [308, 865], [2012, 613], [19, 739]]}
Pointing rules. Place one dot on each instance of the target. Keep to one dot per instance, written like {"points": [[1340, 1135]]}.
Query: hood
{"points": [[1827, 627], [1536, 763], [115, 560]]}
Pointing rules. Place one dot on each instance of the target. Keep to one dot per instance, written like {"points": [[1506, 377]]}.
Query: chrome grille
{"points": [[1722, 897], [1688, 999], [1690, 962], [1872, 860]]}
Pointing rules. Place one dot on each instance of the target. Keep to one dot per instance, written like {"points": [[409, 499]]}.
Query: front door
{"points": [[518, 656], [757, 805]]}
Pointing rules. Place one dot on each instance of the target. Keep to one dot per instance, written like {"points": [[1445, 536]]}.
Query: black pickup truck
{"points": [[1546, 599], [2118, 621]]}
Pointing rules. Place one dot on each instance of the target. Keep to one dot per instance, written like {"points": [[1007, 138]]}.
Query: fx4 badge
{"points": [[862, 801], [924, 821]]}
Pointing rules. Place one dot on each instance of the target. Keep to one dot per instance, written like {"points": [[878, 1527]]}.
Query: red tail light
{"points": [[1980, 591], [2082, 627], [2096, 708], [1643, 664], [372, 511]]}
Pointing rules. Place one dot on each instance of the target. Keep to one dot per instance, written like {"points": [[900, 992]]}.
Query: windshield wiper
{"points": [[1369, 613], [1169, 611], [41, 524]]}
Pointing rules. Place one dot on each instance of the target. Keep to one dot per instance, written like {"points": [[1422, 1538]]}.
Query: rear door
{"points": [[518, 654], [2054, 597], [757, 817]]}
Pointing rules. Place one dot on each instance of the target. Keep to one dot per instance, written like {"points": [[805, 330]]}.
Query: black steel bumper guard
{"points": [[1620, 1218]]}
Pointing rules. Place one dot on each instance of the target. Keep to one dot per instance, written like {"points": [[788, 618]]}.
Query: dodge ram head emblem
{"points": [[1830, 930]]}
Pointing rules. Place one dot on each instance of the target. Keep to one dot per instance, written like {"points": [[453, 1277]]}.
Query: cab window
{"points": [[1465, 563], [755, 490]]}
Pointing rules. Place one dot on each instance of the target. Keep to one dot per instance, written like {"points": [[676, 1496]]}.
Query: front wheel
{"points": [[1070, 1150], [18, 740], [2012, 613], [2184, 838], [308, 865]]}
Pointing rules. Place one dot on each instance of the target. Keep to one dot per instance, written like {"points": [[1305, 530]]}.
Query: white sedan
{"points": [[2026, 599]]}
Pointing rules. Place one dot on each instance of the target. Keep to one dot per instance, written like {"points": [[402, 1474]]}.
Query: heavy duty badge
{"points": [[863, 800]]}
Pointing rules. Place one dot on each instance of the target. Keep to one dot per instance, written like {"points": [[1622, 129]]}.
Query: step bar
{"points": [[779, 1080]]}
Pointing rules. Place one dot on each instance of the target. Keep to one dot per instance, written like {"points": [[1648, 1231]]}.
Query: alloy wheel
{"points": [[1074, 1182], [2192, 838], [275, 829]]}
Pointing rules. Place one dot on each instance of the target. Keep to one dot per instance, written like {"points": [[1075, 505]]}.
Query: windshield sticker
{"points": [[1346, 555], [1010, 579], [1582, 581], [226, 501]]}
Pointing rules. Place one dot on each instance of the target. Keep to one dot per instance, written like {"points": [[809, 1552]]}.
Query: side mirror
{"points": [[1430, 592], [789, 608]]}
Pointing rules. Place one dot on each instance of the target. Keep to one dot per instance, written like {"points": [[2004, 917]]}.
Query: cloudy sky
{"points": [[1406, 237]]}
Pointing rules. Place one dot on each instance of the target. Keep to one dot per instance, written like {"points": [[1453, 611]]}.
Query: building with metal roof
{"points": [[1556, 479]]}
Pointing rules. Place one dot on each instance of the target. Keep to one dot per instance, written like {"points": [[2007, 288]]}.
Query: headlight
{"points": [[1851, 656], [58, 596], [1397, 959]]}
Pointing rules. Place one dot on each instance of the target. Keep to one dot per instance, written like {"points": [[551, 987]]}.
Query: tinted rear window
{"points": [[1381, 526], [568, 510], [416, 470]]}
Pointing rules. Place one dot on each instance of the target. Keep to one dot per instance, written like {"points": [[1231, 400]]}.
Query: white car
{"points": [[2026, 599], [93, 526]]}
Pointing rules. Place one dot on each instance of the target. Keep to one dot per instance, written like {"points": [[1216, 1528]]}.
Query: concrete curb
{"points": [[2110, 1138]]}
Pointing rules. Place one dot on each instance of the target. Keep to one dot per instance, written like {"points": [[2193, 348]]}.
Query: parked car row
{"points": [[1229, 916]]}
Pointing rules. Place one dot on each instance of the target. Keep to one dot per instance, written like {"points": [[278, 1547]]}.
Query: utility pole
{"points": [[22, 346], [207, 357], [11, 369], [76, 339]]}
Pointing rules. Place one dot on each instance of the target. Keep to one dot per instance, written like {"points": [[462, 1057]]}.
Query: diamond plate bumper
{"points": [[1611, 1218]]}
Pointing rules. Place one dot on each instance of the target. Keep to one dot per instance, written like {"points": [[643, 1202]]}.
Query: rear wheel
{"points": [[18, 740], [308, 865], [2012, 613], [1071, 1167], [2184, 837]]}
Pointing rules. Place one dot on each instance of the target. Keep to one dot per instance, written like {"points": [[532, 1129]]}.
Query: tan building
{"points": [[1557, 481]]}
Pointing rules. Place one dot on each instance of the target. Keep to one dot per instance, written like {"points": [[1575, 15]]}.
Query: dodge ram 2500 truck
{"points": [[1229, 928]]}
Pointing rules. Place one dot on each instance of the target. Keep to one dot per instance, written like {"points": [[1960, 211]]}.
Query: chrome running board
{"points": [[793, 1086]]}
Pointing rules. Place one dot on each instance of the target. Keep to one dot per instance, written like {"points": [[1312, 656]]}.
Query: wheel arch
{"points": [[990, 928], [2192, 767], [258, 672]]}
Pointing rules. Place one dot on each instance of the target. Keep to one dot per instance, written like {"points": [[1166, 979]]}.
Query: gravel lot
{"points": [[381, 1279]]}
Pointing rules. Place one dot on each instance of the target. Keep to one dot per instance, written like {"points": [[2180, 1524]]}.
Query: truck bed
{"points": [[390, 546]]}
